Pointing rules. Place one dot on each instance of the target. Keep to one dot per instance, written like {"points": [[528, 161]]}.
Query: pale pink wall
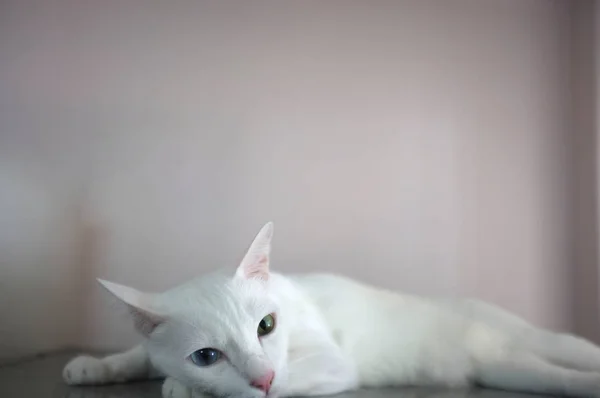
{"points": [[585, 74], [596, 100], [422, 145], [39, 310]]}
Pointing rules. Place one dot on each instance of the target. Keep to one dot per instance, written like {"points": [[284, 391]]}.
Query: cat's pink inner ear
{"points": [[256, 261], [139, 305], [259, 268], [144, 322]]}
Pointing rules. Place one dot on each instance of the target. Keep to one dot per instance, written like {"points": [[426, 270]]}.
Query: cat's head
{"points": [[223, 334]]}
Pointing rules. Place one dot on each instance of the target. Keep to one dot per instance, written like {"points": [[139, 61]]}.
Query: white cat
{"points": [[259, 334]]}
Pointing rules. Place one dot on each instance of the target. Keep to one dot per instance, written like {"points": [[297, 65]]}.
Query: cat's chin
{"points": [[250, 393], [275, 392], [255, 395]]}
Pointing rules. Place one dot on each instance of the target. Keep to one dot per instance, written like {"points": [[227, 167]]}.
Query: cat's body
{"points": [[331, 334]]}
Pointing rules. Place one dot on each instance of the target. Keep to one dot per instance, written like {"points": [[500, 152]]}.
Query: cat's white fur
{"points": [[332, 334]]}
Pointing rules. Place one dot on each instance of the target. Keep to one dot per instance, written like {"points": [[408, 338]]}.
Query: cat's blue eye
{"points": [[205, 356]]}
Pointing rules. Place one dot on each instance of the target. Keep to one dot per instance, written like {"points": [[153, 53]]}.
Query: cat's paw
{"points": [[171, 388], [85, 370]]}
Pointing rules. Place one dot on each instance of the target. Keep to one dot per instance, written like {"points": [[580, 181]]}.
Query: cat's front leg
{"points": [[117, 368], [319, 368], [172, 388]]}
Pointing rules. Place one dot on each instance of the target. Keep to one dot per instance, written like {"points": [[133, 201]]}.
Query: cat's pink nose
{"points": [[264, 382]]}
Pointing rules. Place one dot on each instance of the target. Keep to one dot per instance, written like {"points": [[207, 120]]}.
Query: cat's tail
{"points": [[564, 349], [528, 373]]}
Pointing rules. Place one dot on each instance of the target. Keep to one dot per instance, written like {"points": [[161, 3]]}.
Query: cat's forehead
{"points": [[220, 294]]}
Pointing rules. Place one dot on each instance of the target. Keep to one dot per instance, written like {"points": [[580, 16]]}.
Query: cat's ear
{"points": [[139, 304], [256, 261]]}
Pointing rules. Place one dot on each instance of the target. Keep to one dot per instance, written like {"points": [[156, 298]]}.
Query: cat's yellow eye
{"points": [[266, 325]]}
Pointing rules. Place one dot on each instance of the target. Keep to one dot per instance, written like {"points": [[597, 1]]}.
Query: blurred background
{"points": [[439, 147]]}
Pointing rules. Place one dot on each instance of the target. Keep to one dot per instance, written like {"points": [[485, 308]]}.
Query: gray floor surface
{"points": [[41, 378]]}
